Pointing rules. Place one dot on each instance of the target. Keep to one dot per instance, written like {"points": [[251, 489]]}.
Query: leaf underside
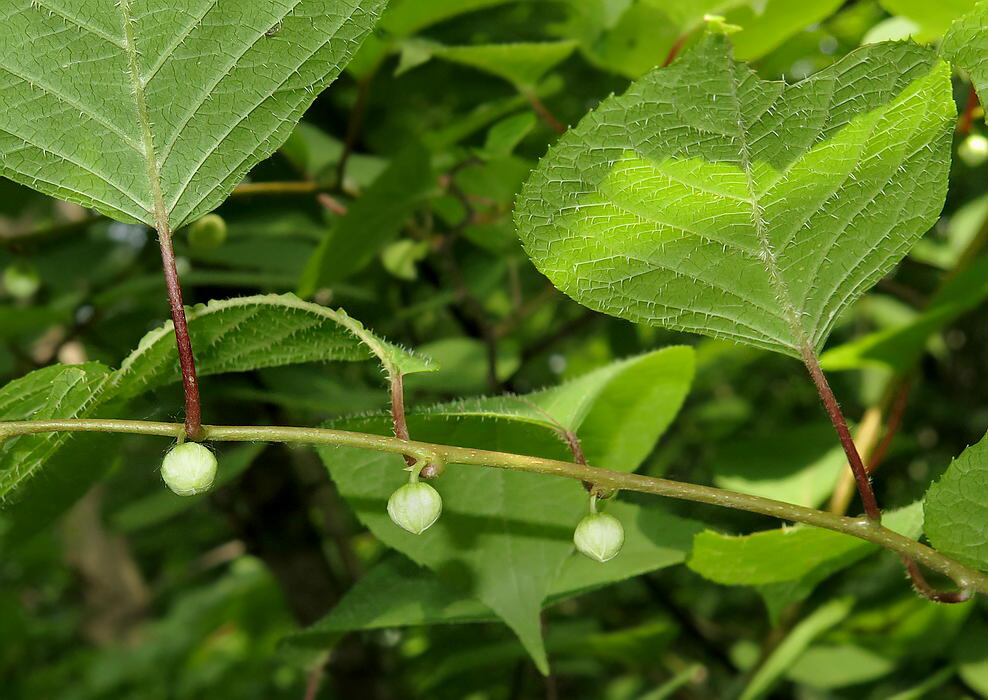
{"points": [[707, 200], [153, 111]]}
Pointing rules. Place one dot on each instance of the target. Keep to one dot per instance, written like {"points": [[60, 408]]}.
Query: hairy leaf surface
{"points": [[705, 199], [956, 511], [153, 111]]}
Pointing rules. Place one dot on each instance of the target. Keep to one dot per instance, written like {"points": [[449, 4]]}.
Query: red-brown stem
{"points": [[312, 683], [674, 51], [398, 413], [930, 593], [186, 360], [894, 421], [967, 118], [846, 441], [540, 109]]}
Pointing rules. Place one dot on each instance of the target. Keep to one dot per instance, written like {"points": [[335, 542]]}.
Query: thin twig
{"points": [[967, 117], [603, 479], [540, 109], [353, 126]]}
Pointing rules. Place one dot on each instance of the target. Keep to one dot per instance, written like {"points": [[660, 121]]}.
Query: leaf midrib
{"points": [[767, 253], [157, 211]]}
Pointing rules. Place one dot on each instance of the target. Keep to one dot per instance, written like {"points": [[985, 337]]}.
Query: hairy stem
{"points": [[603, 479], [187, 361], [847, 442], [400, 423]]}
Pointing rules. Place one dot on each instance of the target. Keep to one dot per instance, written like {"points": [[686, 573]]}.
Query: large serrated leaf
{"points": [[705, 199], [955, 510], [246, 333], [153, 111]]}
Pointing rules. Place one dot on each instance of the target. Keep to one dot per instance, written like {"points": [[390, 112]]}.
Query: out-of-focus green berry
{"points": [[189, 469], [414, 507], [21, 280], [599, 536], [207, 233], [973, 150]]}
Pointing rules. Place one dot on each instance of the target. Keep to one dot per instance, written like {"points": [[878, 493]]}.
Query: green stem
{"points": [[602, 479]]}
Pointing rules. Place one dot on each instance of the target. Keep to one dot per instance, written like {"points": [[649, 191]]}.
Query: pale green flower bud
{"points": [[599, 536], [207, 233], [189, 469], [415, 506]]}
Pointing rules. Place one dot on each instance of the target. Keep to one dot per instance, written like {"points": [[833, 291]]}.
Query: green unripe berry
{"points": [[973, 150], [207, 233], [189, 469], [415, 506], [21, 280], [599, 536]]}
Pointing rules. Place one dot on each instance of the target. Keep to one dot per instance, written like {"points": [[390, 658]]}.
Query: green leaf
{"points": [[788, 554], [794, 645], [956, 512], [406, 17], [246, 333], [707, 200], [767, 28], [372, 221], [523, 64], [505, 135], [899, 348], [966, 43], [800, 465], [397, 593], [618, 411], [503, 535], [58, 392], [496, 521], [831, 667], [113, 105], [933, 18]]}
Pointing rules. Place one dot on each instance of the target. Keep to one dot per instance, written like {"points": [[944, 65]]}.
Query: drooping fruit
{"points": [[599, 536], [415, 506], [189, 469]]}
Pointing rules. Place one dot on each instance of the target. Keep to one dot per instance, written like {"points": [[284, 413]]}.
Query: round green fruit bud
{"points": [[599, 536], [21, 280], [189, 469], [973, 150], [207, 233], [414, 507]]}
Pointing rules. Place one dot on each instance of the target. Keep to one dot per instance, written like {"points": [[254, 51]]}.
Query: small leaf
{"points": [[787, 554], [372, 221], [112, 106], [966, 44], [707, 200], [956, 511], [933, 18], [899, 348], [766, 29], [522, 64], [794, 645]]}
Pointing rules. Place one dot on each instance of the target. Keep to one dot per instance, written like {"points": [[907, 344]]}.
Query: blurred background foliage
{"points": [[393, 199]]}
